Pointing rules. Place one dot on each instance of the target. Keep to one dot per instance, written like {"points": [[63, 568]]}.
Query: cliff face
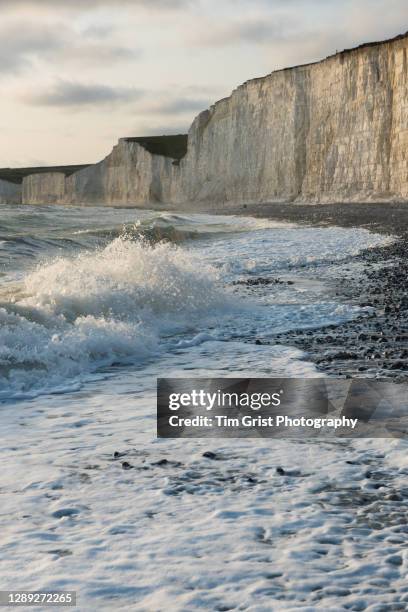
{"points": [[129, 175], [332, 131], [10, 193], [336, 130], [45, 188]]}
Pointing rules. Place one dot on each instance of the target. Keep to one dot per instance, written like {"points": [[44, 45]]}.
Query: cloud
{"points": [[70, 94], [146, 129], [20, 41], [94, 4], [98, 54], [179, 106], [98, 32], [255, 31], [163, 104]]}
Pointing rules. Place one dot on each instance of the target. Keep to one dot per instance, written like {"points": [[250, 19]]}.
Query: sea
{"points": [[97, 303]]}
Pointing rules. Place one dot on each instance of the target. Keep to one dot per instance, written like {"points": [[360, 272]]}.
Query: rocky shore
{"points": [[375, 345], [384, 217]]}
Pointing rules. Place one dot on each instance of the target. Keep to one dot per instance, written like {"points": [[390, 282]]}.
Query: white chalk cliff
{"points": [[333, 131], [10, 193]]}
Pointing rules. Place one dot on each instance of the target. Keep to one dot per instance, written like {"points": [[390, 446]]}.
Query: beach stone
{"points": [[65, 512], [210, 455], [394, 560]]}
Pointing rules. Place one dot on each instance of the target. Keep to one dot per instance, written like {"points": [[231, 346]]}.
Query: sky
{"points": [[76, 75]]}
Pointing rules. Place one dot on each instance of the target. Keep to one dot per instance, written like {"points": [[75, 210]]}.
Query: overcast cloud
{"points": [[74, 94], [76, 75], [92, 4]]}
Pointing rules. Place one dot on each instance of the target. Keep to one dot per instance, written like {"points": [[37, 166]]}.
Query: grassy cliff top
{"points": [[16, 175], [167, 146]]}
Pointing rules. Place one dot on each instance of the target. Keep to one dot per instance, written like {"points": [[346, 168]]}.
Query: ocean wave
{"points": [[107, 307], [123, 291], [178, 228], [26, 238]]}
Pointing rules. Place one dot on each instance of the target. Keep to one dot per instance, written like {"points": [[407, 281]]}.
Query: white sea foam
{"points": [[233, 533], [132, 300], [100, 308], [125, 277], [276, 250]]}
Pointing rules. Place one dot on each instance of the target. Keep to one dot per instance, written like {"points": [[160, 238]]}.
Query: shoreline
{"points": [[369, 346], [104, 479], [388, 218], [380, 217], [373, 345]]}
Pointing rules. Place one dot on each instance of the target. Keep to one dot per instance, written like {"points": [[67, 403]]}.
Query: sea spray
{"points": [[103, 296], [99, 308]]}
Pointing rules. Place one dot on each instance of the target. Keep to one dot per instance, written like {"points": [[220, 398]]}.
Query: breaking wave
{"points": [[115, 305]]}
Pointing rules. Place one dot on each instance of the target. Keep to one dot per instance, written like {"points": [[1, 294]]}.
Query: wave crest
{"points": [[101, 308]]}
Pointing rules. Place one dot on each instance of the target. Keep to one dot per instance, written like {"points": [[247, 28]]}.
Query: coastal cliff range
{"points": [[331, 131]]}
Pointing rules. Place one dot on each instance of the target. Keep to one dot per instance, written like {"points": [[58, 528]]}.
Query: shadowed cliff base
{"points": [[174, 146], [16, 175]]}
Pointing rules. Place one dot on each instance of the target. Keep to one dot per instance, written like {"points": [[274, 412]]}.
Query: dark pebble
{"points": [[117, 455], [210, 455]]}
